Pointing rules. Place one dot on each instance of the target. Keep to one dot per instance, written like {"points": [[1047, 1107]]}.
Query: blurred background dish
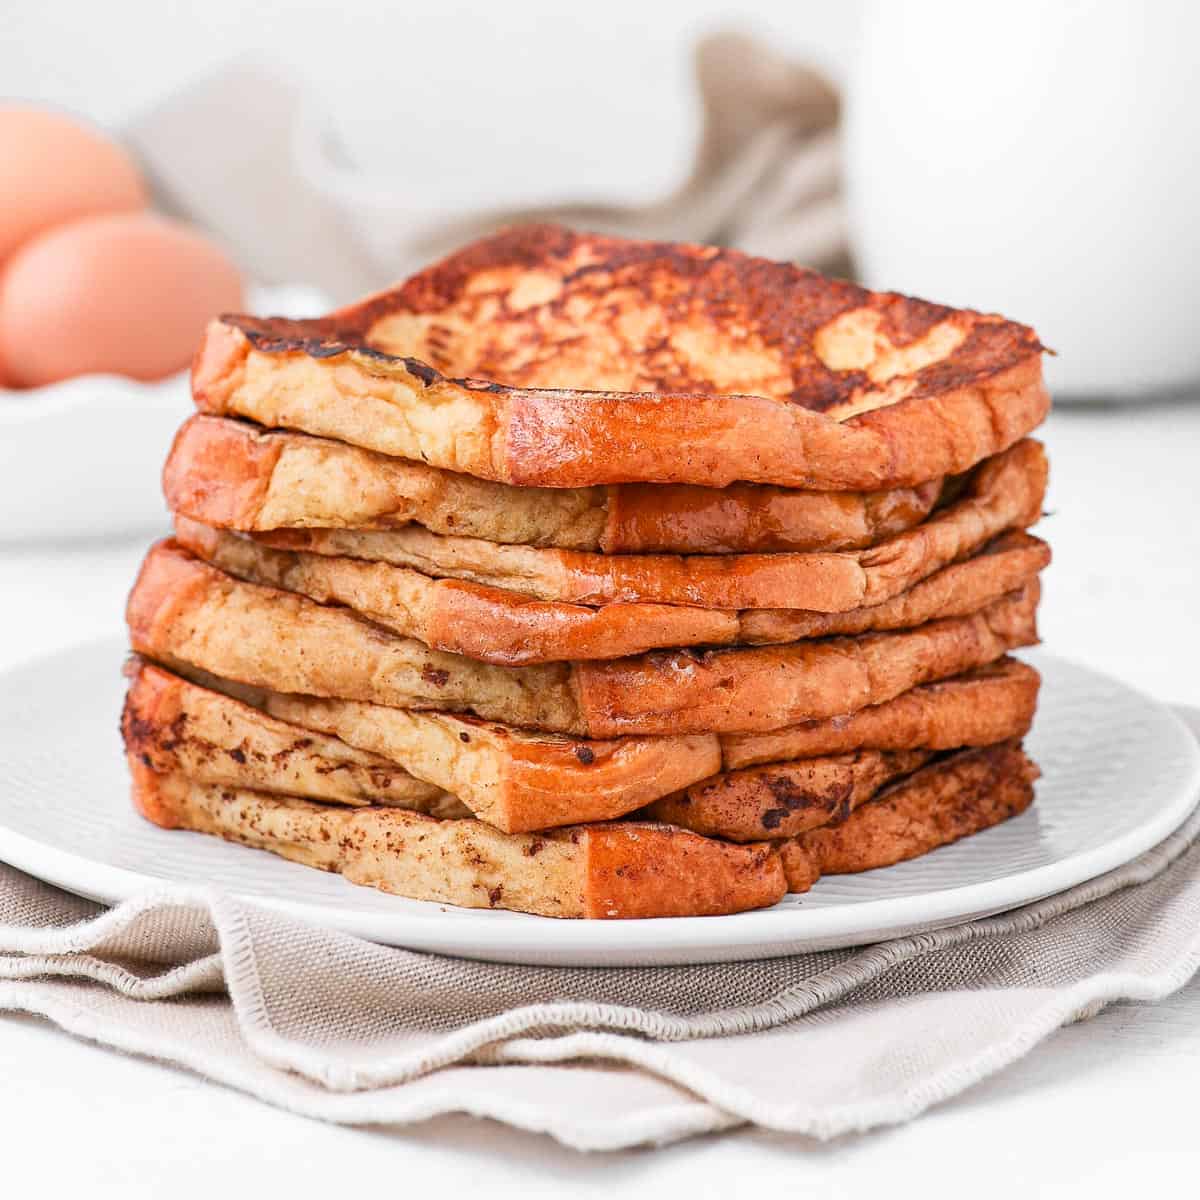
{"points": [[81, 458], [1041, 162]]}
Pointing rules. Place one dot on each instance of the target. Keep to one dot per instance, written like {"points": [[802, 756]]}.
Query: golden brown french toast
{"points": [[617, 869], [550, 358], [977, 708], [947, 800], [234, 475], [441, 763], [1007, 564], [172, 725], [784, 799], [612, 870], [182, 609], [1005, 493], [496, 625]]}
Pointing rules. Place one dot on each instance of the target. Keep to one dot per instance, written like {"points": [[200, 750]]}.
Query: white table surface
{"points": [[1105, 1108]]}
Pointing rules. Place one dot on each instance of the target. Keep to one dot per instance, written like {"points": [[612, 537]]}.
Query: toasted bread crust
{"points": [[751, 690], [979, 708], [660, 871], [1008, 564], [939, 804], [622, 869], [754, 518], [515, 779], [232, 475], [786, 799], [1005, 493], [542, 357], [237, 476], [181, 609]]}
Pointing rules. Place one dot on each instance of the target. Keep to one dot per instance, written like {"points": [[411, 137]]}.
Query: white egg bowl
{"points": [[83, 458]]}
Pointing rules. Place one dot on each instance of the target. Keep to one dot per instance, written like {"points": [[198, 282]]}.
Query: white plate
{"points": [[1120, 773]]}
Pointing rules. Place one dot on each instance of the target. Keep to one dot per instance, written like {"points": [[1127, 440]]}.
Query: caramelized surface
{"points": [[542, 307]]}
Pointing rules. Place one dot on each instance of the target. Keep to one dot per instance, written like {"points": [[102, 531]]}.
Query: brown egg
{"points": [[127, 295], [54, 169]]}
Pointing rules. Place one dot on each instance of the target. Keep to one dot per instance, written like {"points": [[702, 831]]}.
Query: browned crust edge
{"points": [[978, 708], [220, 471], [935, 806], [975, 404], [784, 799]]}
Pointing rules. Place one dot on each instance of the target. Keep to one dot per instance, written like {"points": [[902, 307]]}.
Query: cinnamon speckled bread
{"points": [[609, 870], [1005, 493], [943, 802], [237, 476], [182, 609], [171, 725], [982, 706], [549, 358], [783, 802], [351, 752], [784, 799], [496, 625], [442, 763], [1008, 564], [612, 870]]}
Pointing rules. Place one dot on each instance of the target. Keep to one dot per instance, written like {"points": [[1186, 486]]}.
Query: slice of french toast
{"points": [[550, 358], [943, 802], [172, 725], [617, 869], [234, 475], [1008, 564], [490, 624], [182, 609], [612, 870], [497, 625], [977, 708], [784, 799], [350, 752], [1005, 493]]}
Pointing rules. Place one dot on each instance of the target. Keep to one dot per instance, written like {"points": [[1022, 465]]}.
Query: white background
{"points": [[491, 102], [597, 94]]}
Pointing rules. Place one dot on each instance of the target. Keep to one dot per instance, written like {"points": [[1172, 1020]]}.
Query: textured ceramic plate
{"points": [[1120, 773]]}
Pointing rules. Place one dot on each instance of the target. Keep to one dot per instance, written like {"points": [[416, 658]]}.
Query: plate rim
{"points": [[527, 938]]}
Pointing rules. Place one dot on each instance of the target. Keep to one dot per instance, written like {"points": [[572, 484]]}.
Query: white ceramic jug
{"points": [[1039, 159]]}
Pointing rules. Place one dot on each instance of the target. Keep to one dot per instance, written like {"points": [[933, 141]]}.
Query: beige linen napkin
{"points": [[244, 154], [335, 1028]]}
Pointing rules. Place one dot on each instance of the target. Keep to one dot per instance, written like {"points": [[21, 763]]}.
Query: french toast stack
{"points": [[597, 578]]}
